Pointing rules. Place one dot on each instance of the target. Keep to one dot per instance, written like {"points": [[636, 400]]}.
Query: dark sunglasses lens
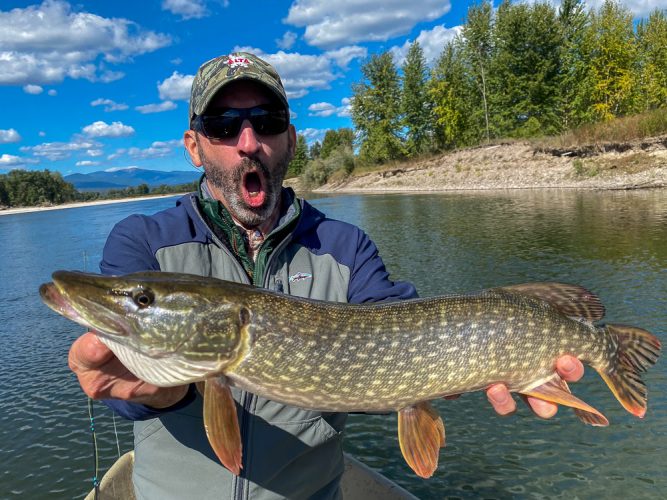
{"points": [[221, 126], [228, 123], [269, 122]]}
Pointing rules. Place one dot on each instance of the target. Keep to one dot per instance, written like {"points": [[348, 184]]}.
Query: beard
{"points": [[229, 182]]}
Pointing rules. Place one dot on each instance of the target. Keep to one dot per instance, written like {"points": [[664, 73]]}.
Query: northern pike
{"points": [[171, 329]]}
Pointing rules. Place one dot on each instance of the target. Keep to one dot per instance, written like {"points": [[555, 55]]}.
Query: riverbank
{"points": [[21, 210], [521, 165]]}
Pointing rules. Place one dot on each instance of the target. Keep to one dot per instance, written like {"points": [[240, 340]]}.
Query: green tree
{"points": [[300, 159], [478, 35], [315, 150], [652, 48], [612, 66], [452, 95], [526, 70], [416, 106], [4, 194], [376, 110], [336, 139], [574, 23]]}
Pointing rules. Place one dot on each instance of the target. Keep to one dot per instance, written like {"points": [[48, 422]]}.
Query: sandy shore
{"points": [[520, 165], [22, 210]]}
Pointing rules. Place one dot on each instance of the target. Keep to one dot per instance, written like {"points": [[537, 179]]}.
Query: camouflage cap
{"points": [[216, 73]]}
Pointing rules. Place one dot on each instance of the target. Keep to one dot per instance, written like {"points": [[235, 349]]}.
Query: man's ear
{"points": [[191, 146], [292, 140]]}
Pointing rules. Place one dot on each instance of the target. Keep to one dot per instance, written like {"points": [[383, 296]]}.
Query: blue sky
{"points": [[96, 85]]}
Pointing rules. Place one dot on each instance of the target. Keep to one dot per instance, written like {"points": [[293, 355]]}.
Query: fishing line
{"points": [[91, 415], [96, 482]]}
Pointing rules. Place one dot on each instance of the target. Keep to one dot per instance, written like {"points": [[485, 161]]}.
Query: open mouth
{"points": [[254, 193]]}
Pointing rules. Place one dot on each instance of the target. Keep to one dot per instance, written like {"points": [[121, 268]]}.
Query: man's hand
{"points": [[102, 376], [568, 367]]}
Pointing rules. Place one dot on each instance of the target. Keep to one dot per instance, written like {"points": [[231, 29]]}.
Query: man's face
{"points": [[244, 172]]}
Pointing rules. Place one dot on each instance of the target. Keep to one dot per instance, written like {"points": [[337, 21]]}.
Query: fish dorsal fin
{"points": [[421, 434], [571, 300], [221, 424]]}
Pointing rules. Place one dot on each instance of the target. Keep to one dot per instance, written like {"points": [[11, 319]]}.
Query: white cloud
{"points": [[109, 105], [103, 129], [300, 73], [325, 109], [312, 135], [55, 151], [86, 163], [33, 89], [287, 41], [41, 133], [345, 55], [52, 92], [7, 161], [431, 41], [158, 149], [176, 87], [187, 9], [331, 24], [156, 108], [49, 42], [94, 152], [7, 136]]}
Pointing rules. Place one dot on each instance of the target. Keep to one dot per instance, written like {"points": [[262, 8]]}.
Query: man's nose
{"points": [[248, 141]]}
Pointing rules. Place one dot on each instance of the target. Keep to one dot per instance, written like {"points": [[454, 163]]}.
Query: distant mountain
{"points": [[105, 180]]}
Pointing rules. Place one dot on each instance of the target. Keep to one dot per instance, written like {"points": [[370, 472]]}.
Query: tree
{"points": [[652, 56], [452, 95], [315, 150], [336, 139], [376, 110], [574, 22], [477, 33], [415, 104], [526, 70], [612, 68], [298, 163]]}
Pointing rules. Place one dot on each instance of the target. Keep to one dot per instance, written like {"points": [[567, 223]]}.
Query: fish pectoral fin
{"points": [[421, 434], [222, 425], [557, 391]]}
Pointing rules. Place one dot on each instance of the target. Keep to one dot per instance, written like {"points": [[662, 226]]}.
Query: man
{"points": [[242, 226]]}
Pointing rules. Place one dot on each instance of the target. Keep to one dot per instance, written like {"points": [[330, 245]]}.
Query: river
{"points": [[614, 243]]}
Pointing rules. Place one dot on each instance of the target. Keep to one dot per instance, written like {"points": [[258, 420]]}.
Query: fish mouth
{"points": [[253, 188], [69, 294]]}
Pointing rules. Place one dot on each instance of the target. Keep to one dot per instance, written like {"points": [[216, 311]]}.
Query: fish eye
{"points": [[143, 298]]}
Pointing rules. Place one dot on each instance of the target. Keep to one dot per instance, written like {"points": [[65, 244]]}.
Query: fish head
{"points": [[183, 322]]}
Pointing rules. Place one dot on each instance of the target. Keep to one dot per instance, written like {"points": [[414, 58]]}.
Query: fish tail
{"points": [[637, 351]]}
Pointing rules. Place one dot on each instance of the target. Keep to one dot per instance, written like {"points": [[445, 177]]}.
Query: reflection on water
{"points": [[612, 242]]}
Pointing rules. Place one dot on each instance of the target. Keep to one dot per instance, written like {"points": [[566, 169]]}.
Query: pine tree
{"points": [[574, 21], [414, 102], [376, 110], [478, 36], [298, 163]]}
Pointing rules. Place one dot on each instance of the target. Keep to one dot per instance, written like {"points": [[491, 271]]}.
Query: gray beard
{"points": [[229, 183]]}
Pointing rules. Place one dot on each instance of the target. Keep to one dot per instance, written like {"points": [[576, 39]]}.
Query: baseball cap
{"points": [[216, 73]]}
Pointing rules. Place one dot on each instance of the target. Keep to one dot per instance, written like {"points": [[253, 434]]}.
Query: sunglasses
{"points": [[227, 122]]}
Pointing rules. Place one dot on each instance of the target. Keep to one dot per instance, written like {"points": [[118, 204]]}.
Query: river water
{"points": [[614, 243]]}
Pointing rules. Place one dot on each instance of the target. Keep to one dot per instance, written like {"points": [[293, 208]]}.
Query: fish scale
{"points": [[173, 329]]}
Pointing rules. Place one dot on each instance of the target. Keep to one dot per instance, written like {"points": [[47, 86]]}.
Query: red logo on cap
{"points": [[236, 61]]}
